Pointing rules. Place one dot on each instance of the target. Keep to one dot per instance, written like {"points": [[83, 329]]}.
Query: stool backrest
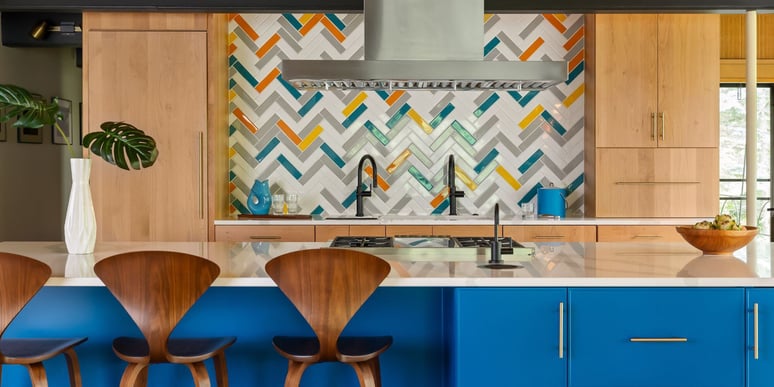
{"points": [[327, 286], [20, 278], [156, 288]]}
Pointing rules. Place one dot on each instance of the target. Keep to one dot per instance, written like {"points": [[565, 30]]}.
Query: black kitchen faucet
{"points": [[454, 193], [360, 193]]}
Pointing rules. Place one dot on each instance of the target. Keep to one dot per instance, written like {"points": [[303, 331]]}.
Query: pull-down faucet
{"points": [[453, 192], [360, 193]]}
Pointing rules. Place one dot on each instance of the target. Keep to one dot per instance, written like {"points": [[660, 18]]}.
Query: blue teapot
{"points": [[259, 199]]}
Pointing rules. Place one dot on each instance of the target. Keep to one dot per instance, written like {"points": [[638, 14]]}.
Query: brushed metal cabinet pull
{"points": [[561, 330], [654, 182], [755, 331], [272, 237], [202, 184], [663, 126], [654, 126], [658, 339], [549, 236]]}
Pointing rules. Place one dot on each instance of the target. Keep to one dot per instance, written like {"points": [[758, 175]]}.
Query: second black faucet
{"points": [[360, 193], [453, 192]]}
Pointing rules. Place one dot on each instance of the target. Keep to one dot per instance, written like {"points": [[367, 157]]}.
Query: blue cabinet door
{"points": [[508, 337], [656, 337], [760, 363]]}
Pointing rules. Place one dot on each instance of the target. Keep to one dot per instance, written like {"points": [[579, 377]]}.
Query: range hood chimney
{"points": [[423, 45]]}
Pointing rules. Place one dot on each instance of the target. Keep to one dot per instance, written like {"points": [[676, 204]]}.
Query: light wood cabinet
{"points": [[329, 232], [271, 233], [551, 233], [638, 234], [151, 70], [414, 229], [663, 182], [656, 79], [462, 231]]}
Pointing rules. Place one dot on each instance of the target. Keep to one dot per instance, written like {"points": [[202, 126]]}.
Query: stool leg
{"points": [[295, 372], [367, 373], [135, 375], [37, 374], [221, 371], [73, 368], [199, 373]]}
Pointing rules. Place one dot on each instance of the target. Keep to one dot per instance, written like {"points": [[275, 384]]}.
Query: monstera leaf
{"points": [[28, 111], [122, 145]]}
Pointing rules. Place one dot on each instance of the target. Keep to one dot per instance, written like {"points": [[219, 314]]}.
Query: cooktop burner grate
{"points": [[507, 243], [361, 241]]}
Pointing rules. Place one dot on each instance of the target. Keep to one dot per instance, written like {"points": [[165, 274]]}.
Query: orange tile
{"points": [[269, 79], [246, 27], [440, 197], [267, 46], [574, 39], [575, 61], [289, 132], [531, 49], [551, 18], [394, 97], [335, 31], [310, 24], [245, 121]]}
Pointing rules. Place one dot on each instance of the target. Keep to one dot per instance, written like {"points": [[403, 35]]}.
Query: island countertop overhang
{"points": [[552, 265]]}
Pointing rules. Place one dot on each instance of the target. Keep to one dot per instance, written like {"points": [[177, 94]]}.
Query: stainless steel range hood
{"points": [[423, 45]]}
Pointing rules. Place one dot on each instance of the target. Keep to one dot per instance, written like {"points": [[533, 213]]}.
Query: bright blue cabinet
{"points": [[508, 337], [656, 337], [760, 315]]}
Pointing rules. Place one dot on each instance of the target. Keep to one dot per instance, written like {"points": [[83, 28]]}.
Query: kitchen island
{"points": [[556, 321]]}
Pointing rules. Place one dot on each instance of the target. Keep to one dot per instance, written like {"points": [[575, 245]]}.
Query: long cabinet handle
{"points": [[648, 236], [653, 122], [755, 331], [272, 237], [662, 115], [549, 236], [654, 182], [561, 330], [658, 339], [202, 184]]}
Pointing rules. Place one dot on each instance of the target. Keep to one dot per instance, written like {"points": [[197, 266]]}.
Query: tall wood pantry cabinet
{"points": [[652, 113], [151, 70]]}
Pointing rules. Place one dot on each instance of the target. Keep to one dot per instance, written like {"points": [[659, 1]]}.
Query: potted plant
{"points": [[118, 143]]}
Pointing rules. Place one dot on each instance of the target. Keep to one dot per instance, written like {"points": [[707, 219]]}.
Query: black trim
{"points": [[492, 6]]}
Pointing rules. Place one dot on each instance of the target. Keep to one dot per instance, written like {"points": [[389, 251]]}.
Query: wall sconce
{"points": [[42, 28]]}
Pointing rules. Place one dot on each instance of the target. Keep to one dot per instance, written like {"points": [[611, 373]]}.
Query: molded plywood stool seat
{"points": [[20, 278], [157, 288], [328, 286]]}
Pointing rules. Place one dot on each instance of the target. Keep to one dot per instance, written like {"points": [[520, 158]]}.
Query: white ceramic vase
{"points": [[80, 227]]}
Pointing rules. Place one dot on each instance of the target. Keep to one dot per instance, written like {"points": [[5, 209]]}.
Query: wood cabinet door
{"points": [[551, 233], [638, 234], [689, 80], [157, 81], [625, 79], [274, 233], [760, 337], [657, 182]]}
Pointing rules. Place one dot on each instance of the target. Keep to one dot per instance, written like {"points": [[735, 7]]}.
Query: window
{"points": [[732, 154]]}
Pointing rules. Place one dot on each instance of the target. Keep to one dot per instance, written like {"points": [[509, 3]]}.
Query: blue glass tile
{"points": [[240, 207], [289, 166], [491, 45], [523, 100], [420, 178], [486, 105], [231, 83], [463, 132], [292, 90], [377, 133], [310, 104], [231, 175], [245, 74], [231, 60], [486, 160], [336, 21], [332, 155], [441, 116], [530, 194], [317, 210], [292, 20], [398, 116], [575, 184], [554, 123], [355, 114], [267, 149], [383, 94], [532, 160], [578, 70], [231, 130], [441, 207], [349, 200]]}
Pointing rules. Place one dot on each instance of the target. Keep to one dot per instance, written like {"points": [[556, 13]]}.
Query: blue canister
{"points": [[551, 201]]}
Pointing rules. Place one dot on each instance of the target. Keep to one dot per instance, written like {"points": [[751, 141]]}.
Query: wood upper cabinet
{"points": [[151, 70], [654, 79]]}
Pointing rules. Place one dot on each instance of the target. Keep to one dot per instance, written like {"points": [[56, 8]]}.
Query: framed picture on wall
{"points": [[66, 124], [29, 135]]}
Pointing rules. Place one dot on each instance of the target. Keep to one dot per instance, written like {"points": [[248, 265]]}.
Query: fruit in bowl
{"points": [[722, 236]]}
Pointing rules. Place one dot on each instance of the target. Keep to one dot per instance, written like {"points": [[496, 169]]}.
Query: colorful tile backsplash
{"points": [[506, 144]]}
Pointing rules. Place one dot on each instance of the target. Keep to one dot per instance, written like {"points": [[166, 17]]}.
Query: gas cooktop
{"points": [[419, 241]]}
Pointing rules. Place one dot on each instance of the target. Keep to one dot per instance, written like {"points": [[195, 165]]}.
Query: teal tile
{"points": [[398, 116], [463, 132], [245, 74], [310, 104], [289, 166], [267, 149], [523, 168], [292, 20], [355, 114], [553, 122], [441, 116], [336, 21], [486, 160], [377, 133], [420, 178], [292, 90], [332, 155], [486, 105], [491, 45]]}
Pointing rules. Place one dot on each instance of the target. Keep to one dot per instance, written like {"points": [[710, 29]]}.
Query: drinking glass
{"points": [[528, 210], [277, 203], [291, 199]]}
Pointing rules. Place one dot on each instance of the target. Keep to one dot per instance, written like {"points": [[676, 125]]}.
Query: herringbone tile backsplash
{"points": [[506, 144]]}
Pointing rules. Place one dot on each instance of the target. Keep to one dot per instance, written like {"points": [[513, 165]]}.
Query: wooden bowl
{"points": [[717, 242]]}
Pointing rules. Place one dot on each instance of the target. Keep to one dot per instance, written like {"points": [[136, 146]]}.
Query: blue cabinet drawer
{"points": [[656, 337]]}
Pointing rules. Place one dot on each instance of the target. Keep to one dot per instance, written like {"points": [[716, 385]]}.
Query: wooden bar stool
{"points": [[157, 288], [328, 286], [20, 279]]}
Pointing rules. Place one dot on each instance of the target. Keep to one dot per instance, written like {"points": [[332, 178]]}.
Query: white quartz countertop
{"points": [[461, 219], [551, 265]]}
